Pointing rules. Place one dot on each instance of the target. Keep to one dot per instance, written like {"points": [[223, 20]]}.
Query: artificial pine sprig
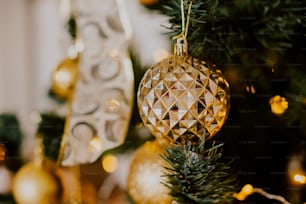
{"points": [[195, 174], [50, 129], [243, 37], [220, 30], [11, 136]]}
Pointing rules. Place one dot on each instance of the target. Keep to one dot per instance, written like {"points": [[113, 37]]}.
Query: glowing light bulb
{"points": [[239, 196], [110, 163], [247, 189], [278, 105], [250, 89], [245, 192], [299, 178], [2, 152]]}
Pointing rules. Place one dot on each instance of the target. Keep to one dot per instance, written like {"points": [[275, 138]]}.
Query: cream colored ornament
{"points": [[145, 176], [6, 178], [34, 185], [101, 107], [183, 96]]}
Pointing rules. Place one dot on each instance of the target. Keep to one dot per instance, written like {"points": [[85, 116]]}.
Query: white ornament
{"points": [[6, 179], [102, 102]]}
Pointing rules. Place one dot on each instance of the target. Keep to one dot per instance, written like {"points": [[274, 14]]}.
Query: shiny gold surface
{"points": [[183, 96]]}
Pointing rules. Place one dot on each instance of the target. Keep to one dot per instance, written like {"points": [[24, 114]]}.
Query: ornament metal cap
{"points": [[181, 47]]}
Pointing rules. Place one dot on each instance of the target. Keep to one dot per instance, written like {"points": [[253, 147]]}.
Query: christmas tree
{"points": [[222, 112]]}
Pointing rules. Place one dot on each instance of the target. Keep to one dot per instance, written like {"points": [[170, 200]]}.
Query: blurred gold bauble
{"points": [[145, 176], [64, 77], [34, 185], [278, 105], [183, 96]]}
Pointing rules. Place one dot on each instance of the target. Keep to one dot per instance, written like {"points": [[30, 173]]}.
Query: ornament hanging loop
{"points": [[181, 45]]}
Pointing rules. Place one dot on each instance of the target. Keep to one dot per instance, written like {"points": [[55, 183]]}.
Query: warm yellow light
{"points": [[2, 152], [250, 89], [110, 163], [253, 90], [247, 189], [245, 192], [299, 178], [239, 196], [278, 104]]}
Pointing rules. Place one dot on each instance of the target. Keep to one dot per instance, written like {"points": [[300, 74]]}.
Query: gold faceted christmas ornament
{"points": [[34, 185], [182, 95], [278, 105], [64, 77], [145, 181]]}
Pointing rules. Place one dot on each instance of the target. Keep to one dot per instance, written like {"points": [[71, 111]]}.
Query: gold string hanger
{"points": [[181, 46]]}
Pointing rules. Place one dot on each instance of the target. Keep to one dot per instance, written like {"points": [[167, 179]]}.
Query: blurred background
{"points": [[264, 135]]}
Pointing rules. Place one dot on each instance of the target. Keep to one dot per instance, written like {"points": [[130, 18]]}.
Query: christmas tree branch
{"points": [[50, 129], [195, 174], [260, 41], [228, 26]]}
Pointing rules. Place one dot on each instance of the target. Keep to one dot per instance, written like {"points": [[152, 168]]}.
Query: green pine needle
{"points": [[219, 29], [196, 176], [243, 36], [51, 129]]}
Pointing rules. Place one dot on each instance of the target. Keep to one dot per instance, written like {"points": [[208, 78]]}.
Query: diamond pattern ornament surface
{"points": [[183, 96]]}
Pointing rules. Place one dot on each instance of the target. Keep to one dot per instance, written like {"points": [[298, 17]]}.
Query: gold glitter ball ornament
{"points": [[64, 77], [182, 95], [34, 185], [145, 176]]}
